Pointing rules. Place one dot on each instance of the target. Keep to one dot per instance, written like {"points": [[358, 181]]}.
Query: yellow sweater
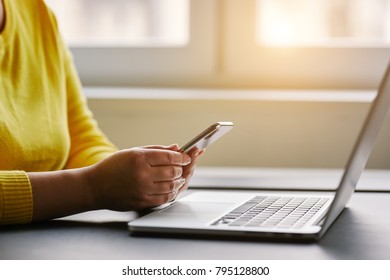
{"points": [[44, 120]]}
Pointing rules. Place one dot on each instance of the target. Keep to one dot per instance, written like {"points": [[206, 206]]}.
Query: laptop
{"points": [[259, 214]]}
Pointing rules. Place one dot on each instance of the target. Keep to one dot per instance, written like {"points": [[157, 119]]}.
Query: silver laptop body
{"points": [[269, 214]]}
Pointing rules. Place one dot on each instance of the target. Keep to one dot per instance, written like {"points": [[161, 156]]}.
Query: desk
{"points": [[318, 179], [361, 232]]}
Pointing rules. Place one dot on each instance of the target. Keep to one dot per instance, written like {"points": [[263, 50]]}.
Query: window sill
{"points": [[358, 96]]}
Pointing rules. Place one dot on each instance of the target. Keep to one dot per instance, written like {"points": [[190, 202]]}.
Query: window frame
{"points": [[223, 52], [153, 65]]}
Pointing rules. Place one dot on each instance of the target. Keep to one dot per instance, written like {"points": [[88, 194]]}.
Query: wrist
{"points": [[60, 193], [91, 194]]}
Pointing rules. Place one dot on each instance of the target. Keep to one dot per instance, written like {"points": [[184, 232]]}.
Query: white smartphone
{"points": [[208, 136], [202, 140]]}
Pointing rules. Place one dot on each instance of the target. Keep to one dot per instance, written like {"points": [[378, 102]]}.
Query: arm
{"points": [[88, 144], [40, 196], [128, 180]]}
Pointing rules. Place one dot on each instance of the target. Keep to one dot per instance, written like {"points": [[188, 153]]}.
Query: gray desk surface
{"points": [[286, 178], [361, 232]]}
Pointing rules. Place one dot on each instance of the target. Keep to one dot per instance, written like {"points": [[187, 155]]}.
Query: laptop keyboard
{"points": [[274, 212]]}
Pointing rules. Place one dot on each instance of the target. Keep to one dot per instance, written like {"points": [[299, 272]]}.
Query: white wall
{"points": [[272, 129]]}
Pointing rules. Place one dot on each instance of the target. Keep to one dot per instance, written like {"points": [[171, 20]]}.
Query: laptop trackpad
{"points": [[195, 209]]}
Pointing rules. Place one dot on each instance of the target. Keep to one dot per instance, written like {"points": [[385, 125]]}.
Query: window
{"points": [[228, 43], [329, 22], [302, 60], [123, 22], [139, 42]]}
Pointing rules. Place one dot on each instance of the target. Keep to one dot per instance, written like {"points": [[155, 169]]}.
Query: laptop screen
{"points": [[362, 150]]}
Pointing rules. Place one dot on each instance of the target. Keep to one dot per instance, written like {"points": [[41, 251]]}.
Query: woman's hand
{"points": [[140, 177]]}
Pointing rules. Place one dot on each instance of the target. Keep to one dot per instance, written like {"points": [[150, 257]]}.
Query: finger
{"points": [[201, 152], [155, 157], [196, 152], [188, 170], [168, 187], [194, 160], [165, 173], [173, 147], [159, 199]]}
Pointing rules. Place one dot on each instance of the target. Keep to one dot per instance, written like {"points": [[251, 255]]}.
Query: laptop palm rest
{"points": [[192, 210]]}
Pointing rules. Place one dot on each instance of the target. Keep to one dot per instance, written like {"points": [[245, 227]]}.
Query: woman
{"points": [[54, 160]]}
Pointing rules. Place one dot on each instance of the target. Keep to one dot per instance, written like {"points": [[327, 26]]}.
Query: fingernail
{"points": [[187, 160], [174, 147], [173, 196], [180, 184], [200, 152]]}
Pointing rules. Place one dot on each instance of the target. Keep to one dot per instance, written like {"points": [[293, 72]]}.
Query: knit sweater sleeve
{"points": [[15, 198], [88, 143]]}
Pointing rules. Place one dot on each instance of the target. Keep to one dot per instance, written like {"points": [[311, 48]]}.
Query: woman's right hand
{"points": [[137, 178]]}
